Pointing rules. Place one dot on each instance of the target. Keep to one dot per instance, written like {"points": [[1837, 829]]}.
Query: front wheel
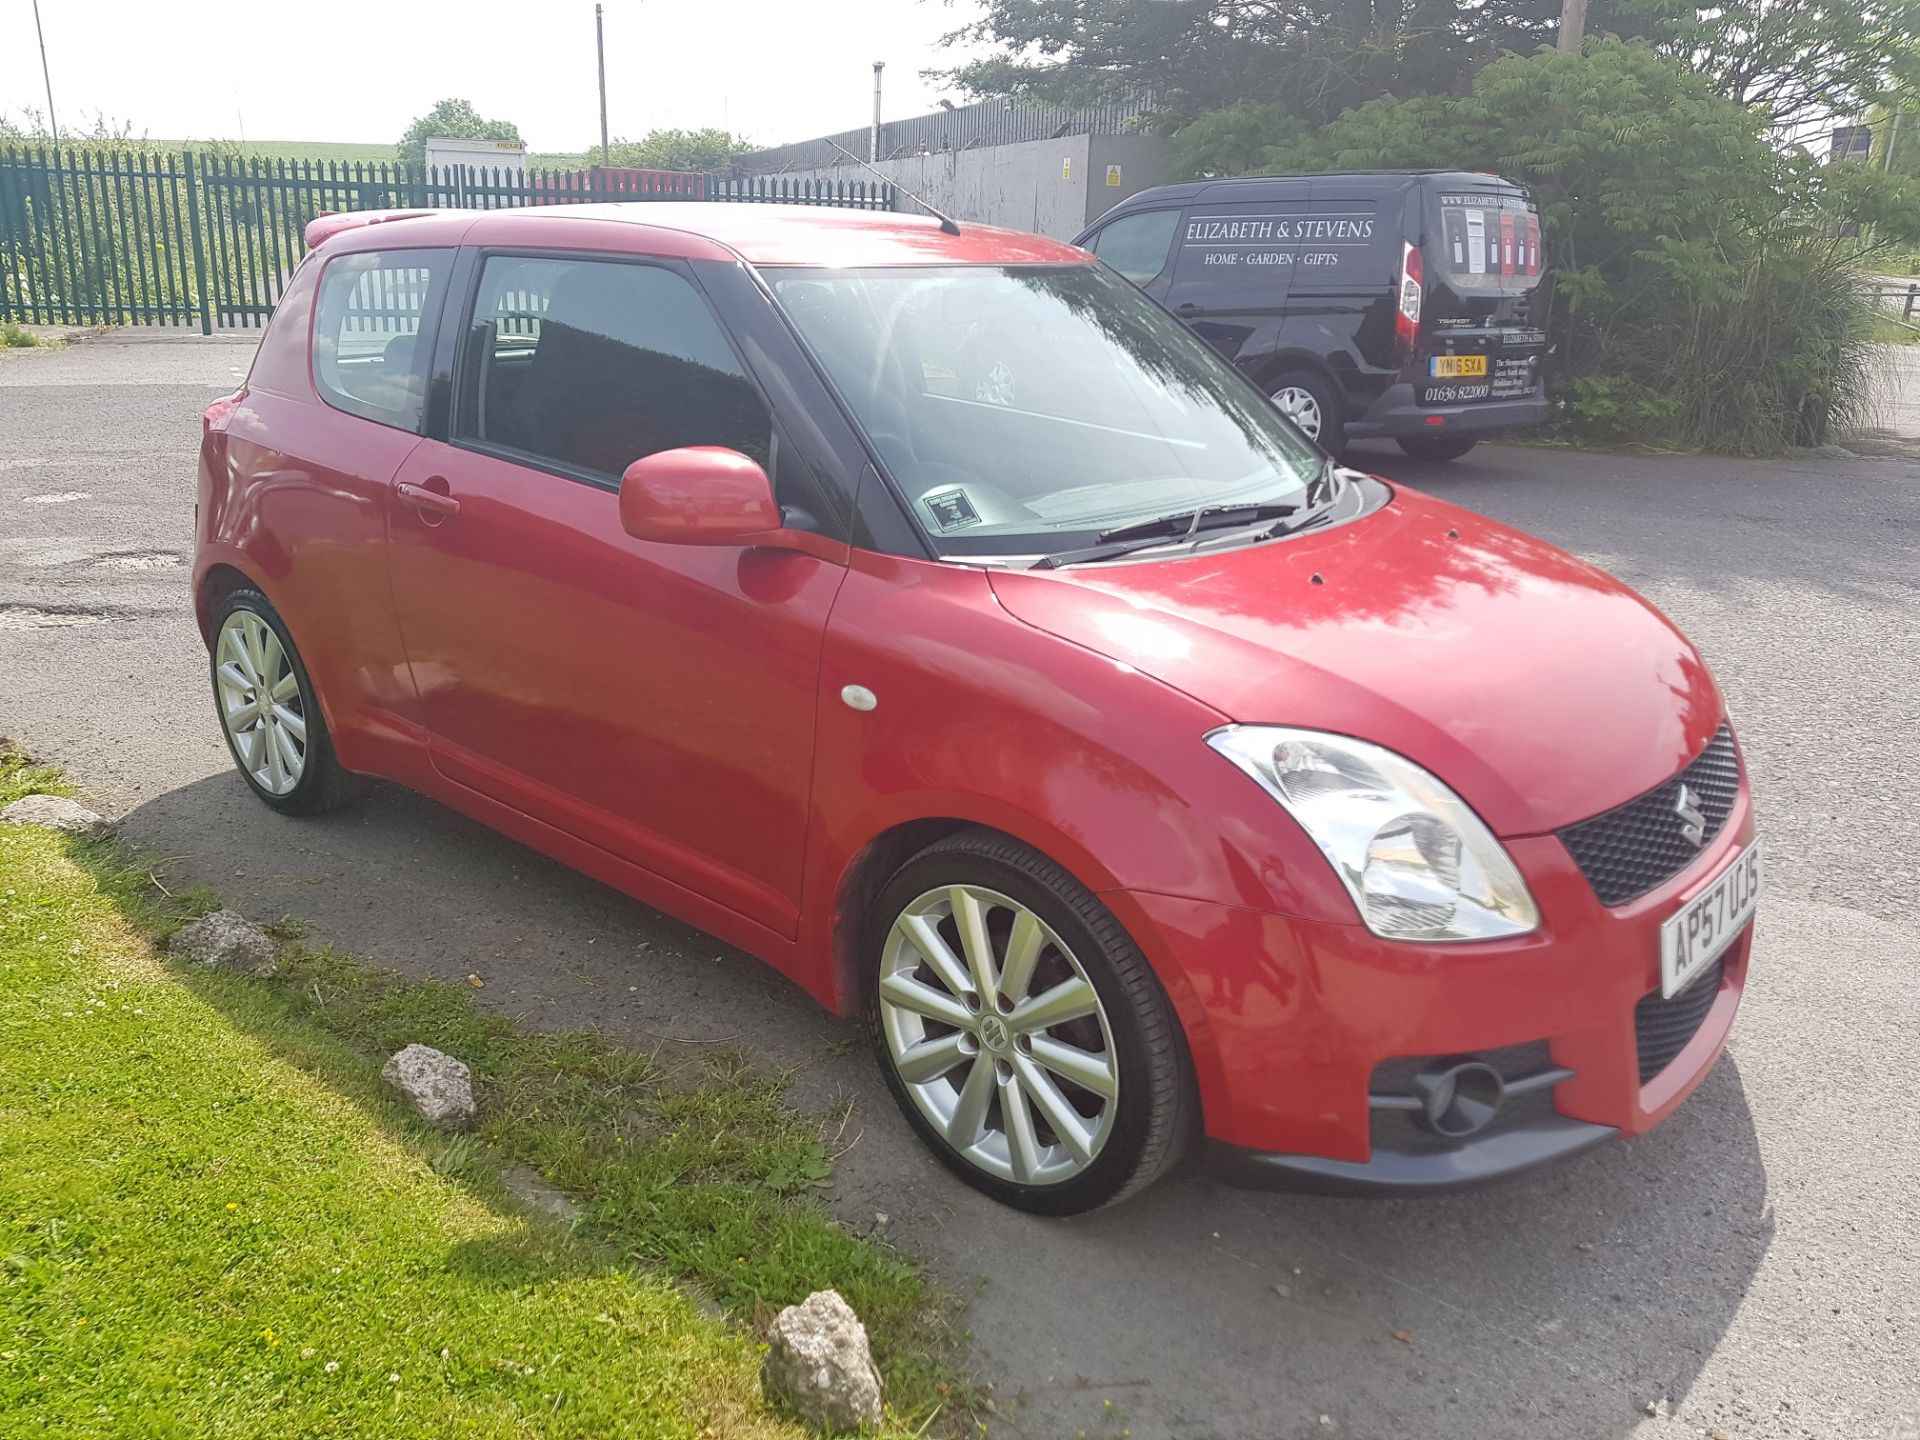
{"points": [[1313, 407], [1436, 447], [1021, 1030]]}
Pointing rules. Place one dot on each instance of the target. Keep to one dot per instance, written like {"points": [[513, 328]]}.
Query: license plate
{"points": [[1707, 924], [1454, 367]]}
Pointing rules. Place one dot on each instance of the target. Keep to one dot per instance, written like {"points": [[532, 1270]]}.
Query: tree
{"points": [[455, 120], [1312, 58], [1797, 60], [702, 150]]}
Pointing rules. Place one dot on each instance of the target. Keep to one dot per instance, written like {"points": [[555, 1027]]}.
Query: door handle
{"points": [[1186, 307], [431, 501]]}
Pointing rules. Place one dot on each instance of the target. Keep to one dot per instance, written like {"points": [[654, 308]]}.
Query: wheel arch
{"points": [[216, 583], [866, 874], [1285, 362]]}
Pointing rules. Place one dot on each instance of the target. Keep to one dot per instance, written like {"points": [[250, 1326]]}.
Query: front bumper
{"points": [[1291, 1022], [1398, 412]]}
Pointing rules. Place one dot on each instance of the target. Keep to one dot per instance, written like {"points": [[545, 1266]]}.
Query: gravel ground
{"points": [[1749, 1270]]}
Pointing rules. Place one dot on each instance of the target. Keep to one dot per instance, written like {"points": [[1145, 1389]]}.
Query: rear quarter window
{"points": [[370, 357]]}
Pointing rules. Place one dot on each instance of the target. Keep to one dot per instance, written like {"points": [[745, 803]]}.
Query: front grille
{"points": [[1639, 845], [1662, 1028]]}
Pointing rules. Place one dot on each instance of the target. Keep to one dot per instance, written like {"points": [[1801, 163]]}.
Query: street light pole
{"points": [[873, 136], [46, 75], [600, 46]]}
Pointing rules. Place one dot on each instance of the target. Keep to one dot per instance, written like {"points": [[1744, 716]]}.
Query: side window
{"points": [[368, 355], [1137, 245], [593, 364]]}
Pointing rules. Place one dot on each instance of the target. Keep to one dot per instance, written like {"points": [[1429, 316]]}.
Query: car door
{"points": [[1234, 263], [656, 700]]}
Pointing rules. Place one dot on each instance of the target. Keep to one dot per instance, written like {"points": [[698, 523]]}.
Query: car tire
{"points": [[985, 1088], [280, 744], [1436, 447], [1313, 406]]}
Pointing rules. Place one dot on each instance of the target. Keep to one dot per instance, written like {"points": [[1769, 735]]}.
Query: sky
{"points": [[360, 70]]}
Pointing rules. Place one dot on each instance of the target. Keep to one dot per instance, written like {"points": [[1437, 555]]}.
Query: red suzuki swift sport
{"points": [[926, 612]]}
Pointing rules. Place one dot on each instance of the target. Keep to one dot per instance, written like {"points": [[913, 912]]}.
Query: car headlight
{"points": [[1418, 862]]}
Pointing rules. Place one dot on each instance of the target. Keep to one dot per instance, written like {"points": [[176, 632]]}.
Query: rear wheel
{"points": [[1436, 447], [1021, 1030], [1311, 404], [268, 713]]}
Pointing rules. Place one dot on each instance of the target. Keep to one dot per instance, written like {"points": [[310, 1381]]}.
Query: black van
{"points": [[1380, 303]]}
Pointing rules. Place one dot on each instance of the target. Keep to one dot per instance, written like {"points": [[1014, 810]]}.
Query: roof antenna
{"points": [[947, 223]]}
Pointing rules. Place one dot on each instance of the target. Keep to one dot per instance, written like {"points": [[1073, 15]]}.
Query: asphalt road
{"points": [[1750, 1270]]}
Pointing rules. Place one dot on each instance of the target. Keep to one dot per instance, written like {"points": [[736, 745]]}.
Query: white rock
{"points": [[818, 1362], [438, 1087], [56, 812], [225, 940]]}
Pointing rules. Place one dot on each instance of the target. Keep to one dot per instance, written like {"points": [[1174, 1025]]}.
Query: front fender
{"points": [[983, 719]]}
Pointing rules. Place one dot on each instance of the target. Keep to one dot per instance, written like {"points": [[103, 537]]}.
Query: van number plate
{"points": [[1454, 367]]}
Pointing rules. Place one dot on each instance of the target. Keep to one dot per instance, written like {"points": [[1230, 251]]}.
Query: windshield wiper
{"points": [[1188, 523], [1145, 534]]}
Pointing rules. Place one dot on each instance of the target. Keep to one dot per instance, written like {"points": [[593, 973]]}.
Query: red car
{"points": [[1134, 770]]}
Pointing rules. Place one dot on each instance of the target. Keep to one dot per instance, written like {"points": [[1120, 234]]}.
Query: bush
{"points": [[1699, 289]]}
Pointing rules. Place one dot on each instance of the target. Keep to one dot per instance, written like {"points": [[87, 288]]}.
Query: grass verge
{"points": [[212, 1222], [17, 337]]}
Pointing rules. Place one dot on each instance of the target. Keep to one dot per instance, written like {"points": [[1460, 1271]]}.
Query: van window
{"points": [[1486, 241], [368, 357], [1137, 245], [594, 364]]}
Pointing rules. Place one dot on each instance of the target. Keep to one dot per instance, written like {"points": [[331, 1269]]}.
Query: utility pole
{"points": [[600, 46], [873, 135], [1573, 23], [46, 76]]}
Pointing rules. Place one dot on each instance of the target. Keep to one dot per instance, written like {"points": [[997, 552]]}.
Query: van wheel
{"points": [[1021, 1030], [1309, 402], [1436, 447], [268, 713]]}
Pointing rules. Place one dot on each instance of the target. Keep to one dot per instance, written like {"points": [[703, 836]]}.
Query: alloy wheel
{"points": [[260, 702], [1299, 406], [998, 1035]]}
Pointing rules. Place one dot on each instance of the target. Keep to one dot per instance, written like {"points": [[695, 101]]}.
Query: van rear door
{"points": [[1479, 339]]}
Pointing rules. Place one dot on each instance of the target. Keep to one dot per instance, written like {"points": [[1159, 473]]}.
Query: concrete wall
{"points": [[1051, 187]]}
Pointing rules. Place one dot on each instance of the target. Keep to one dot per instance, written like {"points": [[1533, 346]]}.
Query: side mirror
{"points": [[699, 495]]}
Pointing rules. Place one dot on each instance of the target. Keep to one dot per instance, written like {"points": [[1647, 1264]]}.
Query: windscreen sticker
{"points": [[951, 509]]}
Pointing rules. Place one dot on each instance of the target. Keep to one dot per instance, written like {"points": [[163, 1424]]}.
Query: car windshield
{"points": [[1026, 409]]}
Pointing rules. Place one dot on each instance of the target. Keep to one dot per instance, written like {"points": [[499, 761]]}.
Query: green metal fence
{"points": [[101, 237]]}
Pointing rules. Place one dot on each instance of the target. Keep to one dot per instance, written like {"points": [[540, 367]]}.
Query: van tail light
{"points": [[1533, 245], [1406, 319]]}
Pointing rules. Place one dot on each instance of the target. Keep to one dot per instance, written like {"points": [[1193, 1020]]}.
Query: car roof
{"points": [[760, 234]]}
